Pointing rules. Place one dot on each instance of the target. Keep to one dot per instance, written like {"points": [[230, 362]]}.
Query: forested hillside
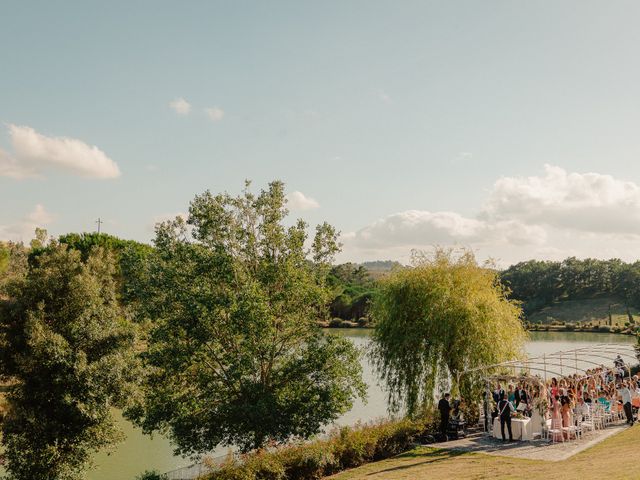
{"points": [[590, 291]]}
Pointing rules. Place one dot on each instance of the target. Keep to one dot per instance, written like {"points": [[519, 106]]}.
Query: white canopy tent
{"points": [[538, 369], [564, 363]]}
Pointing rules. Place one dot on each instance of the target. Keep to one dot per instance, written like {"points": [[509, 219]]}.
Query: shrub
{"points": [[570, 327], [363, 321], [149, 475], [346, 447], [604, 328], [335, 323], [310, 461]]}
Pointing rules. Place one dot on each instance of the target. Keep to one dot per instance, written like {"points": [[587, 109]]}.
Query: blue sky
{"points": [[409, 123]]}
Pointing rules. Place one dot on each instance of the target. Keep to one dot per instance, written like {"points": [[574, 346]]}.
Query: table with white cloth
{"points": [[522, 429]]}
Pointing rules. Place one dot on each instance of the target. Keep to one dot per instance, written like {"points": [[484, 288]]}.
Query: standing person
{"points": [[524, 398], [505, 408], [511, 395], [497, 392], [625, 393], [445, 408]]}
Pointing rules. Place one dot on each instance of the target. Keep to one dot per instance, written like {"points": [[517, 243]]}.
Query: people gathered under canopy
{"points": [[562, 407]]}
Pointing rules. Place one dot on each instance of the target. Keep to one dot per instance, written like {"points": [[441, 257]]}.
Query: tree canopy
{"points": [[538, 284], [235, 355], [67, 354], [437, 319]]}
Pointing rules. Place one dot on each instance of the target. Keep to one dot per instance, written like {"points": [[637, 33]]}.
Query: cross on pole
{"points": [[99, 222]]}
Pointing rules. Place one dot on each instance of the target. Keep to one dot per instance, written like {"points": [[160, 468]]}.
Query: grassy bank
{"points": [[597, 311], [615, 458]]}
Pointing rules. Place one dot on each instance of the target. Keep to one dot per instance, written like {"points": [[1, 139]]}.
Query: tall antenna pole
{"points": [[99, 222]]}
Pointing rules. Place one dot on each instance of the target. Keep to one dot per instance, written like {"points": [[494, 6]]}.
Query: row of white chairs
{"points": [[596, 418]]}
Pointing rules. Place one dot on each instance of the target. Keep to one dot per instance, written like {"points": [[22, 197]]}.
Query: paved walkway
{"points": [[533, 450]]}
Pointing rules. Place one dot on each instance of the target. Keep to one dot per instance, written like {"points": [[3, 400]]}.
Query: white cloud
{"points": [[299, 201], [414, 228], [23, 229], [180, 106], [589, 202], [551, 216], [215, 114], [9, 167], [40, 216], [35, 153], [384, 97]]}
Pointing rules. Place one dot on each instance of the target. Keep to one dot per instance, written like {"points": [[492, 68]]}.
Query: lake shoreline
{"points": [[346, 324]]}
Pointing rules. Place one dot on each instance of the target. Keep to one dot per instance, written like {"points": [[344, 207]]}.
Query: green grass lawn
{"points": [[617, 458], [590, 310]]}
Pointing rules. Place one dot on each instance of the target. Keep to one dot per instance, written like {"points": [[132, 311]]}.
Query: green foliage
{"points": [[150, 475], [353, 290], [345, 448], [13, 266], [130, 258], [541, 283], [235, 355], [68, 355], [434, 321]]}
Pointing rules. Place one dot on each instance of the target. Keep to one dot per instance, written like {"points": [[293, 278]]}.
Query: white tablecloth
{"points": [[520, 427]]}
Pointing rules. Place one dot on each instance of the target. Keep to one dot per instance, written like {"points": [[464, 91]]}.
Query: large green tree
{"points": [[235, 355], [13, 264], [434, 321], [68, 357]]}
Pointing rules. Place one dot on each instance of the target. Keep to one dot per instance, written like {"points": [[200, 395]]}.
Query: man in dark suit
{"points": [[504, 410], [497, 393], [445, 408]]}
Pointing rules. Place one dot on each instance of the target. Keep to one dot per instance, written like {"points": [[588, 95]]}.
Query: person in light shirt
{"points": [[625, 395]]}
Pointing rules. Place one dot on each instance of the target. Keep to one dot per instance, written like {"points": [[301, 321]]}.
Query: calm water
{"points": [[139, 452]]}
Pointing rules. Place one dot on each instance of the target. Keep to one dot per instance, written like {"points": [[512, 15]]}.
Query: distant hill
{"points": [[379, 268], [596, 311]]}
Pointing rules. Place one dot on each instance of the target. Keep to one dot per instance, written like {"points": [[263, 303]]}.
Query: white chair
{"points": [[555, 430], [572, 429], [587, 425]]}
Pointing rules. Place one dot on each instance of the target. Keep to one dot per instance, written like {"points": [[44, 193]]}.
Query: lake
{"points": [[140, 452]]}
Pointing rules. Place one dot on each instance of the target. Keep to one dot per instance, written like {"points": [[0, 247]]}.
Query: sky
{"points": [[511, 128]]}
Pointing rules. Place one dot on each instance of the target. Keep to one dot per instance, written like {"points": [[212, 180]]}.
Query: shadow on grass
{"points": [[430, 457]]}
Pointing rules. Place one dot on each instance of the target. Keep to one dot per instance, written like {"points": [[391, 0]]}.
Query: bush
{"points": [[335, 323], [150, 475], [346, 447], [363, 321], [604, 328], [310, 461], [570, 327]]}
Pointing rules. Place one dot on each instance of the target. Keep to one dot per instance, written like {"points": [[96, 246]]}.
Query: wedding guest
{"points": [[625, 395], [554, 387], [512, 396], [445, 408], [565, 412], [497, 393], [556, 416]]}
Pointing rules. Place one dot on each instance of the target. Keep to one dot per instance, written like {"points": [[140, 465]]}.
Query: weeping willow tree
{"points": [[441, 317]]}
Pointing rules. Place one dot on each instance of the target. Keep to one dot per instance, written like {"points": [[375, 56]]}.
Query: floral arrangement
{"points": [[542, 405]]}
